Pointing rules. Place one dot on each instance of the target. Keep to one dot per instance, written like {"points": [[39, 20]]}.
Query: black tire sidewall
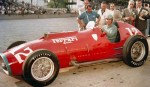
{"points": [[30, 60], [15, 44], [127, 51]]}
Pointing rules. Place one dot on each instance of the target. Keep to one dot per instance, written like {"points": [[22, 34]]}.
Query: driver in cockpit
{"points": [[110, 29]]}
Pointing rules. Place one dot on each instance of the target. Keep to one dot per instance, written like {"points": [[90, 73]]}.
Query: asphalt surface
{"points": [[115, 74]]}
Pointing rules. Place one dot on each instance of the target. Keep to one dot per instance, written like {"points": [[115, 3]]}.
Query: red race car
{"points": [[39, 61]]}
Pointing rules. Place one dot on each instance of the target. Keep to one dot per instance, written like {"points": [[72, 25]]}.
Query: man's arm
{"points": [[98, 19], [147, 16], [82, 25], [123, 15]]}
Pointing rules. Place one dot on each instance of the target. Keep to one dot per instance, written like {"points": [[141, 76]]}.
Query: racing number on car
{"points": [[132, 31], [26, 52]]}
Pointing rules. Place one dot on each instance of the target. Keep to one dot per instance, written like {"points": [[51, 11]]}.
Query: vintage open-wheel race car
{"points": [[39, 61]]}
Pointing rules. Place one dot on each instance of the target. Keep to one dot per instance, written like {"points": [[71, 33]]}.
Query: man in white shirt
{"points": [[103, 12]]}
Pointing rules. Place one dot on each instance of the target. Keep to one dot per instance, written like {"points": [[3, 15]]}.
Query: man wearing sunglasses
{"points": [[88, 16]]}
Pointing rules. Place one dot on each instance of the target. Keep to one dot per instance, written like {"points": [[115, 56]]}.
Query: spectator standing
{"points": [[141, 19], [129, 14], [87, 16], [148, 21], [103, 12], [116, 13], [81, 5]]}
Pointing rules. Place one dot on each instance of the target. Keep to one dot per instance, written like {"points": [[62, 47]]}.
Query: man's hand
{"points": [[131, 18], [127, 18], [96, 24], [82, 25], [141, 14], [103, 34]]}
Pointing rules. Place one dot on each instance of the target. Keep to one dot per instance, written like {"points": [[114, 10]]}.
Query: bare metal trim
{"points": [[118, 48], [75, 63]]}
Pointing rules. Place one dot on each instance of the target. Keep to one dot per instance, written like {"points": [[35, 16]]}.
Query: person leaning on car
{"points": [[87, 16], [110, 29]]}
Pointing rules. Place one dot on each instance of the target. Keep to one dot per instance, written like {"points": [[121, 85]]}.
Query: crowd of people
{"points": [[135, 14], [19, 8]]}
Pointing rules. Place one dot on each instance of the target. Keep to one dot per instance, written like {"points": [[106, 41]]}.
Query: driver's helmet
{"points": [[109, 16]]}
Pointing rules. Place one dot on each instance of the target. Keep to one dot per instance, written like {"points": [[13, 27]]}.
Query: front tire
{"points": [[40, 68], [135, 51]]}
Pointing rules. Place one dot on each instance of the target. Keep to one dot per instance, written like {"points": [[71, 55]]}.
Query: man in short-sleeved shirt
{"points": [[88, 16]]}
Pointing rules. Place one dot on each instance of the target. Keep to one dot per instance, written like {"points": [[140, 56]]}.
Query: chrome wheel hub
{"points": [[137, 51], [42, 68]]}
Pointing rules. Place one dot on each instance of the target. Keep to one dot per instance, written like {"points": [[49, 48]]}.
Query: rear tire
{"points": [[15, 44], [40, 68], [135, 51]]}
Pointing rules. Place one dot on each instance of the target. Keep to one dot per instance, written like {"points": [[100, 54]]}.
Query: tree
{"points": [[57, 3]]}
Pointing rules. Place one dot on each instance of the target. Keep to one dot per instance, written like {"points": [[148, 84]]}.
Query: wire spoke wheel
{"points": [[135, 51], [42, 68], [138, 51]]}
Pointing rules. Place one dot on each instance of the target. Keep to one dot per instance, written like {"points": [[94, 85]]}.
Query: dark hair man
{"points": [[103, 12], [87, 16], [141, 19]]}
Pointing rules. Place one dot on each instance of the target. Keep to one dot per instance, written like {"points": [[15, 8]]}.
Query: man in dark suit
{"points": [[129, 13], [141, 19], [148, 21]]}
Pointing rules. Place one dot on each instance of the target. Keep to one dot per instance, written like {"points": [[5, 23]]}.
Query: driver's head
{"points": [[109, 19]]}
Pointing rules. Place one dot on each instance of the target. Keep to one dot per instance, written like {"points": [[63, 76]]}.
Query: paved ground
{"points": [[36, 16], [115, 74]]}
